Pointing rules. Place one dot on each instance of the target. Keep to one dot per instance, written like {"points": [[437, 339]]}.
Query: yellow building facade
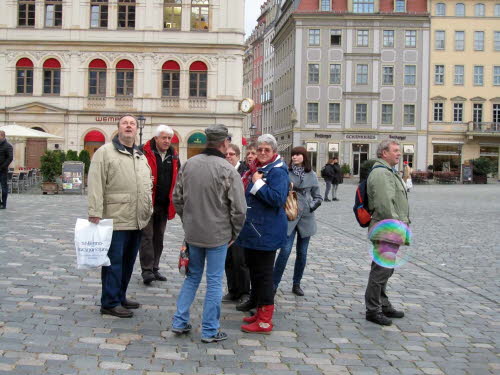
{"points": [[464, 110]]}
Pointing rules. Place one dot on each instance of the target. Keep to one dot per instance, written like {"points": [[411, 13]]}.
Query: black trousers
{"points": [[261, 266], [375, 295], [152, 241], [4, 185], [237, 273]]}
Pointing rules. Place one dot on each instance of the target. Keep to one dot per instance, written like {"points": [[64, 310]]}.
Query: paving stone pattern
{"points": [[50, 321]]}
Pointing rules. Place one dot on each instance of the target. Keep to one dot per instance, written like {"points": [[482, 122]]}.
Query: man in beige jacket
{"points": [[120, 188]]}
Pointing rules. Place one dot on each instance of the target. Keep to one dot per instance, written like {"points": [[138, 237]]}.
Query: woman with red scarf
{"points": [[265, 229]]}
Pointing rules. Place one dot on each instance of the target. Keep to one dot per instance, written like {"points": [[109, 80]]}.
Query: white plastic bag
{"points": [[92, 242], [409, 183]]}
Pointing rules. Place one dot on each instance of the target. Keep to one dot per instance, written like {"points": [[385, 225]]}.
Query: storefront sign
{"points": [[408, 149], [319, 135], [333, 147], [398, 137], [361, 136], [107, 118], [312, 147]]}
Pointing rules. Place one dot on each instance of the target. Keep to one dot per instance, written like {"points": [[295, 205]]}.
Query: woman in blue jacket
{"points": [[264, 232]]}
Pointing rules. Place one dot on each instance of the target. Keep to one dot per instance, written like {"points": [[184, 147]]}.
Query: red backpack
{"points": [[363, 216]]}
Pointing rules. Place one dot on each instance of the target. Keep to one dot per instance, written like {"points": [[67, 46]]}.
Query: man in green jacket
{"points": [[387, 199]]}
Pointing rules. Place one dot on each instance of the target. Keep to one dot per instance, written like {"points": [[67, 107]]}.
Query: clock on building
{"points": [[247, 105]]}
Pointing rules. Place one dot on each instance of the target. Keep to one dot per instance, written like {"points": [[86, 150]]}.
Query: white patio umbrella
{"points": [[16, 131]]}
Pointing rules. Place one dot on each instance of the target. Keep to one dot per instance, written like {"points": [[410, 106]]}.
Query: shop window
{"points": [[333, 151], [389, 38], [438, 112], [460, 10], [314, 37], [172, 14], [126, 14], [458, 112], [99, 13], [336, 37], [335, 74], [199, 15], [97, 78], [408, 152], [363, 6], [411, 38], [124, 78], [363, 38], [447, 158], [51, 77], [359, 156], [26, 13], [409, 115], [312, 154], [53, 13], [24, 77], [198, 80], [387, 110], [170, 79], [313, 74]]}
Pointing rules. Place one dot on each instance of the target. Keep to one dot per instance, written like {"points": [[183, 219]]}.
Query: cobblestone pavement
{"points": [[50, 322]]}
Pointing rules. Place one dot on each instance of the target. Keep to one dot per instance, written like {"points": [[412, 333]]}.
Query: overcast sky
{"points": [[252, 11]]}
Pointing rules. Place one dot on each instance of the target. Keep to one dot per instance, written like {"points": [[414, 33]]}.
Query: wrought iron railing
{"points": [[484, 127]]}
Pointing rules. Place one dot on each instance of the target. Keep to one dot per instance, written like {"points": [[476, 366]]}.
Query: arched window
{"points": [[99, 13], [97, 78], [198, 80], [170, 79], [24, 77], [125, 78], [460, 10], [172, 14], [51, 77], [199, 15], [26, 13], [53, 13], [440, 9], [479, 10]]}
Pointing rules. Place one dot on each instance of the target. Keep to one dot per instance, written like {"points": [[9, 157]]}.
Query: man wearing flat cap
{"points": [[210, 200]]}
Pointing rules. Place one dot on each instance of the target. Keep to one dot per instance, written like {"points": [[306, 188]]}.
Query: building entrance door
{"points": [[359, 155], [35, 148]]}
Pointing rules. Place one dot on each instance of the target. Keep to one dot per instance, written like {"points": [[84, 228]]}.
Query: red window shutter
{"points": [[198, 66], [52, 63], [171, 65], [24, 63], [98, 64], [124, 64]]}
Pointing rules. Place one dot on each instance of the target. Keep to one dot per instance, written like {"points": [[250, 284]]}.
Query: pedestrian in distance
{"points": [[264, 232], [164, 163], [119, 188], [306, 185], [6, 157], [407, 171], [333, 177], [387, 199], [210, 200], [237, 274]]}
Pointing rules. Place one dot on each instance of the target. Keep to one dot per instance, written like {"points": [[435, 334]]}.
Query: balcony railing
{"points": [[484, 127], [197, 103], [167, 102]]}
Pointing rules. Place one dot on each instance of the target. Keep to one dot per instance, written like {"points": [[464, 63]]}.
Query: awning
{"points": [[24, 132], [447, 142], [284, 146]]}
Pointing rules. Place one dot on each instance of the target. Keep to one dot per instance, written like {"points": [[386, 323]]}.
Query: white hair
{"points": [[164, 129], [269, 139]]}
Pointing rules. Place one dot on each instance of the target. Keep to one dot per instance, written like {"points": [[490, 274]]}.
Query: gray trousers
{"points": [[375, 296], [329, 186], [152, 241]]}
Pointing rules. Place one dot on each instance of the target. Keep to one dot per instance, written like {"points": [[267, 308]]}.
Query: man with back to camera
{"points": [[387, 199], [119, 188], [6, 157], [164, 163]]}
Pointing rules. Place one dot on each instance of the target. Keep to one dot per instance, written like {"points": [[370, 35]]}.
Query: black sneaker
{"points": [[246, 306], [158, 276], [379, 318], [326, 200], [180, 331], [393, 313], [297, 290], [220, 336], [148, 278]]}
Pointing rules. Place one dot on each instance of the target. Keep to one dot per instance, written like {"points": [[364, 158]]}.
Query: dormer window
{"points": [[363, 6]]}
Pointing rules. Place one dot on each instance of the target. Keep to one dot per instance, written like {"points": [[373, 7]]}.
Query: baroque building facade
{"points": [[71, 68]]}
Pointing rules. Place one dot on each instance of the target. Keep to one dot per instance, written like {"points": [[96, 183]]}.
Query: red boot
{"points": [[253, 318], [263, 324]]}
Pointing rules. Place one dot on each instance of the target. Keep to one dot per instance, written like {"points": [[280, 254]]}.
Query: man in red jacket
{"points": [[164, 163]]}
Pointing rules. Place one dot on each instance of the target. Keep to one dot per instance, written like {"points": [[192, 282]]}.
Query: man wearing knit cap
{"points": [[210, 200]]}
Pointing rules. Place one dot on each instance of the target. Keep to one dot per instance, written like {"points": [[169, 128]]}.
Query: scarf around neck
{"points": [[298, 170], [254, 166]]}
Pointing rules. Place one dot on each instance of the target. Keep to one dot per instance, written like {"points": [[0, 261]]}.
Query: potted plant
{"points": [[71, 156], [481, 167], [84, 157], [346, 170], [51, 169]]}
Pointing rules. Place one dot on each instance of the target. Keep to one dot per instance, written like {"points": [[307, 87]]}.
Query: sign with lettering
{"points": [[112, 119], [361, 136], [408, 149], [319, 135], [397, 137]]}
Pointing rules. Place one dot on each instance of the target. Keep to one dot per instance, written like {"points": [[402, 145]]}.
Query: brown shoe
{"points": [[129, 304], [119, 311]]}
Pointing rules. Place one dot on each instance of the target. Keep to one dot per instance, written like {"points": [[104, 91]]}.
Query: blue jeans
{"points": [[115, 278], [300, 260], [216, 259]]}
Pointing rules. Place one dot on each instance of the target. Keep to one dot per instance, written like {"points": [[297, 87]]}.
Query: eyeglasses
{"points": [[230, 153], [229, 138], [267, 150]]}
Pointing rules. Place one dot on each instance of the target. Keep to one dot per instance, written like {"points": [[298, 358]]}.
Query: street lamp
{"points": [[141, 122], [253, 129]]}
